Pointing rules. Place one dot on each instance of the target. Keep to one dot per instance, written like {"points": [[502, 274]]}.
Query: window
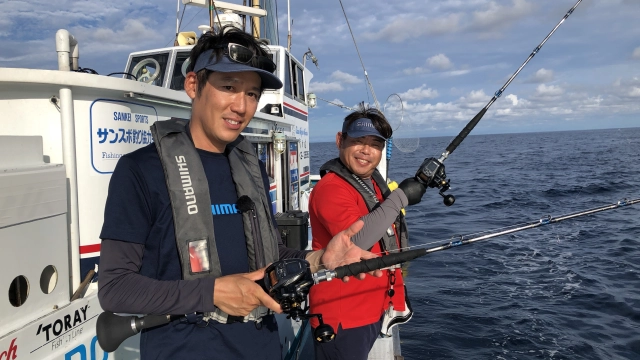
{"points": [[149, 68], [177, 79], [287, 76], [294, 75], [296, 86], [300, 79]]}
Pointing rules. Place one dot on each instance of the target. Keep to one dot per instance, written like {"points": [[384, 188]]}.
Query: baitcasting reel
{"points": [[431, 174], [288, 282]]}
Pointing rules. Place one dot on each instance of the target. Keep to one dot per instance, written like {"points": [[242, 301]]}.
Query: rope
{"points": [[336, 104], [360, 57]]}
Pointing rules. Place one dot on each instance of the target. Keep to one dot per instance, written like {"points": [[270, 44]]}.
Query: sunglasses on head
{"points": [[244, 55]]}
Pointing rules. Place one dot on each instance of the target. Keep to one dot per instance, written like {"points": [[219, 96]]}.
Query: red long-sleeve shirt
{"points": [[333, 206]]}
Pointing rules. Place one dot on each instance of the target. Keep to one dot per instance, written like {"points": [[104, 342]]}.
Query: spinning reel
{"points": [[288, 282], [431, 174]]}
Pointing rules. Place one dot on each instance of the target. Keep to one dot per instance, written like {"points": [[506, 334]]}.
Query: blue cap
{"points": [[361, 127], [207, 60]]}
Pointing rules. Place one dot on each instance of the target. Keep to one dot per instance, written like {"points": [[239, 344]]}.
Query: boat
{"points": [[63, 133], [67, 130]]}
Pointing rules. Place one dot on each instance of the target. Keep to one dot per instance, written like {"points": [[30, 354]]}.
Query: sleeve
{"points": [[127, 212], [122, 289], [283, 251], [127, 223], [378, 221]]}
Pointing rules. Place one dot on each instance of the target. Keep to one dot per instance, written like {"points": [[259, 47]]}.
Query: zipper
{"points": [[257, 238]]}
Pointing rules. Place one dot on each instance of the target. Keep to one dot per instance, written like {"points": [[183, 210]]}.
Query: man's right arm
{"points": [[122, 289]]}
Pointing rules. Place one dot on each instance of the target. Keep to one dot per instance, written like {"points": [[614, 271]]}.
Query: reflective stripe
{"points": [[220, 316]]}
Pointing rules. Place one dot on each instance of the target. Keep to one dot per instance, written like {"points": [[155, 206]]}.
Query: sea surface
{"points": [[569, 290]]}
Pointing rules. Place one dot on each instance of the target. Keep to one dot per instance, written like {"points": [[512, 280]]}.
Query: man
{"points": [[351, 187], [164, 251]]}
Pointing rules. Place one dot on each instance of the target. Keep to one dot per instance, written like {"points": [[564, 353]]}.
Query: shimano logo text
{"points": [[365, 124], [185, 178]]}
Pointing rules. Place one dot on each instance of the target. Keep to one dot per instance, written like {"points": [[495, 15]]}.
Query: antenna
{"points": [[288, 27], [309, 55], [175, 42]]}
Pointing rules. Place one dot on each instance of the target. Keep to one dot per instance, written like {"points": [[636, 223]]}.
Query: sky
{"points": [[444, 59]]}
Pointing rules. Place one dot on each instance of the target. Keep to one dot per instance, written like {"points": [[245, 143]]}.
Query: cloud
{"points": [[513, 98], [419, 93], [475, 99], [542, 76], [345, 78], [322, 87], [440, 61], [627, 90], [456, 72], [339, 78], [408, 26], [634, 92], [497, 17], [129, 32], [549, 91], [415, 71], [636, 53], [5, 26]]}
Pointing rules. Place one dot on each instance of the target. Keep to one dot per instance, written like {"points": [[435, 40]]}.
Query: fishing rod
{"points": [[462, 240], [431, 172], [287, 281]]}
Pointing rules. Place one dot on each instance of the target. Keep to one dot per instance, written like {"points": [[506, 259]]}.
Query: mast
{"points": [[255, 21], [175, 42], [288, 27], [211, 14]]}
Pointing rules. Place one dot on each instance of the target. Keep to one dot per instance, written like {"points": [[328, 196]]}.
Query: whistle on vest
{"points": [[199, 256], [390, 231]]}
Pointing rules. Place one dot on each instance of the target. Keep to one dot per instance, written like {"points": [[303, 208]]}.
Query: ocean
{"points": [[569, 290]]}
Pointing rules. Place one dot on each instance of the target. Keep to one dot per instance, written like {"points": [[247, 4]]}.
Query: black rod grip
{"points": [[467, 129], [149, 321], [113, 329], [378, 263]]}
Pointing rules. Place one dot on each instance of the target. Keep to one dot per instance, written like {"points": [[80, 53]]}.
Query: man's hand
{"points": [[238, 294], [341, 251]]}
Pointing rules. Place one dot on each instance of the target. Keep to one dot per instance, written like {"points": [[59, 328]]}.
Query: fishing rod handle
{"points": [[376, 263], [112, 329], [150, 321]]}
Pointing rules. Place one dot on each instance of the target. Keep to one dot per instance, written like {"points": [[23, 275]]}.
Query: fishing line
{"points": [[194, 16], [458, 240], [431, 172], [403, 137], [467, 129]]}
